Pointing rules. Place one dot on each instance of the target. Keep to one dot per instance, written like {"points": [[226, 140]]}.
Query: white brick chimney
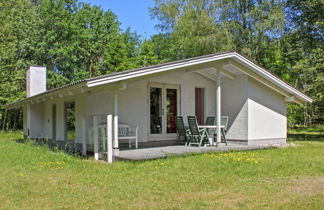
{"points": [[36, 80]]}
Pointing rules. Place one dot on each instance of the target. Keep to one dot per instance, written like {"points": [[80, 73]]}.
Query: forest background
{"points": [[76, 40]]}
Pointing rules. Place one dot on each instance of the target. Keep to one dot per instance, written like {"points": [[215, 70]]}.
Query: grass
{"points": [[311, 130], [34, 177]]}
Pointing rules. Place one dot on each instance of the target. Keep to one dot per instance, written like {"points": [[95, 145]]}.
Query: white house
{"points": [[149, 98]]}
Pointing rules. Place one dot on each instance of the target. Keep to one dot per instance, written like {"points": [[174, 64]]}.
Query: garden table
{"points": [[214, 127]]}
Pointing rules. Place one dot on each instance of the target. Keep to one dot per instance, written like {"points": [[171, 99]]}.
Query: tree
{"points": [[253, 24], [247, 26], [285, 36], [196, 33], [72, 39], [192, 28], [310, 79], [305, 35], [16, 20], [146, 54], [76, 41], [307, 19]]}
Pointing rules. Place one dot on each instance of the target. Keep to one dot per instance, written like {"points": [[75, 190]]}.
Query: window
{"points": [[171, 110], [156, 110], [163, 109], [70, 121]]}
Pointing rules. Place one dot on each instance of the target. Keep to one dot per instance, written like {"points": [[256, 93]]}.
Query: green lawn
{"points": [[311, 130], [35, 177]]}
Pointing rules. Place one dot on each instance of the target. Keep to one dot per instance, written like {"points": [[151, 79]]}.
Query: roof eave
{"points": [[92, 82], [257, 69], [176, 65], [46, 94], [274, 79]]}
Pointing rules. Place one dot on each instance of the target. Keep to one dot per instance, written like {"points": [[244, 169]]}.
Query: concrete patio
{"points": [[167, 151]]}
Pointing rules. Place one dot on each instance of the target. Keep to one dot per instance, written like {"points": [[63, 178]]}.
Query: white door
{"points": [[163, 109]]}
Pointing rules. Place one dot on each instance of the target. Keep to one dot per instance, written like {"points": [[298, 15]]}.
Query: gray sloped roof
{"points": [[151, 69]]}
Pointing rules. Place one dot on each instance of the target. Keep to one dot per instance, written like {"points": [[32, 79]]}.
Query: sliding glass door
{"points": [[156, 110], [164, 107], [171, 109]]}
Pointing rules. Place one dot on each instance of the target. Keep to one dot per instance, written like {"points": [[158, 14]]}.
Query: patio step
{"points": [[150, 144], [164, 152]]}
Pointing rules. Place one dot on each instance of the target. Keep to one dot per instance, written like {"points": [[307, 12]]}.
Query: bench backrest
{"points": [[123, 130]]}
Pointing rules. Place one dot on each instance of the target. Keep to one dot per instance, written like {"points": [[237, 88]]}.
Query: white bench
{"points": [[128, 133], [125, 132]]}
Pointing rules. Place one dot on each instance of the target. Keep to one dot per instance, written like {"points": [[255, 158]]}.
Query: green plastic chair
{"points": [[197, 136], [210, 121], [182, 130], [224, 122]]}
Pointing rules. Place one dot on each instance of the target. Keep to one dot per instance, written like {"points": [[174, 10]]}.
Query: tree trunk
{"points": [[4, 120], [13, 126]]}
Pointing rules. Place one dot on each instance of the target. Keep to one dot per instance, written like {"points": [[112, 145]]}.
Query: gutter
{"points": [[50, 93], [129, 74]]}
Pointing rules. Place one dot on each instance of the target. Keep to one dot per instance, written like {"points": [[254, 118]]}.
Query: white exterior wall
{"points": [[45, 123], [267, 115], [137, 96], [60, 130], [35, 120], [133, 101], [25, 120], [256, 113], [99, 104], [133, 107], [41, 118], [96, 104], [47, 120], [235, 106], [80, 114], [133, 104]]}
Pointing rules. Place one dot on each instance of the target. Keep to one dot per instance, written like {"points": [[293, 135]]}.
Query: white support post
{"points": [[103, 132], [84, 136], [116, 144], [109, 138], [28, 123], [218, 106], [136, 140], [95, 138]]}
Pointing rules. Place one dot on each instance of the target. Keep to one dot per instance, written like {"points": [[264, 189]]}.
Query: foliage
{"points": [[284, 36], [205, 26], [307, 17], [16, 19], [310, 78], [34, 177], [76, 40], [306, 39]]}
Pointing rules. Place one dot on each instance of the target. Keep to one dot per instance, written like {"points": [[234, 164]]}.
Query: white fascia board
{"points": [[255, 68], [130, 75], [47, 95], [273, 79]]}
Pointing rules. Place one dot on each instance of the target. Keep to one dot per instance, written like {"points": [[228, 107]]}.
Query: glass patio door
{"points": [[163, 109]]}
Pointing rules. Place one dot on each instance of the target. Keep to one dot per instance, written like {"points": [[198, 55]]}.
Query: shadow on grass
{"points": [[67, 146], [20, 140], [306, 137]]}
